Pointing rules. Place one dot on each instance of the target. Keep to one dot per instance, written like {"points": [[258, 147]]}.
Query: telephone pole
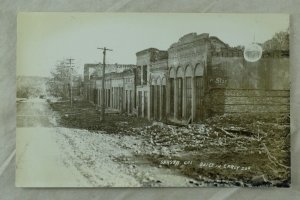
{"points": [[103, 84], [71, 79]]}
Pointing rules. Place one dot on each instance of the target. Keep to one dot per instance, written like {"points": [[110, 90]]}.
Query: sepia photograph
{"points": [[152, 100]]}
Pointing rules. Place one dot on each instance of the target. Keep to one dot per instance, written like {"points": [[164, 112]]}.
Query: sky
{"points": [[44, 39]]}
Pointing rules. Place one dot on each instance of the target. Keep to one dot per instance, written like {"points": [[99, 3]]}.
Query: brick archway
{"points": [[179, 93], [172, 91], [188, 93], [199, 92]]}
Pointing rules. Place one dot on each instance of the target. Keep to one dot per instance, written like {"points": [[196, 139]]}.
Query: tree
{"points": [[60, 83], [31, 86], [280, 41]]}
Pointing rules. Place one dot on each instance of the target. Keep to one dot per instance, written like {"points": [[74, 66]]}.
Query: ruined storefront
{"points": [[199, 76]]}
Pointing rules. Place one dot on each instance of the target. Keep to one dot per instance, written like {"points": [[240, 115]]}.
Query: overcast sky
{"points": [[46, 38]]}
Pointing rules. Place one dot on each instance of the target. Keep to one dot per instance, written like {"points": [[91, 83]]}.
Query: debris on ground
{"points": [[84, 115], [236, 148], [229, 150]]}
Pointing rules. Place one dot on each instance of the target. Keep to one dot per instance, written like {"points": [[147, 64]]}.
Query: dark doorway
{"points": [[140, 103], [172, 97], [130, 101], [108, 97], [158, 102], [126, 100], [153, 102], [163, 93], [199, 97], [179, 98], [145, 104], [188, 97]]}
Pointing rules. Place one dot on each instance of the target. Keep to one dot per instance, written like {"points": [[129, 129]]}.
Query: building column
{"points": [[122, 99], [183, 98], [104, 93], [100, 98], [88, 92], [193, 99], [111, 97], [105, 90], [154, 106], [98, 95], [168, 93], [175, 97], [117, 98], [119, 104], [149, 93], [107, 98], [160, 101], [128, 101], [101, 94], [143, 114]]}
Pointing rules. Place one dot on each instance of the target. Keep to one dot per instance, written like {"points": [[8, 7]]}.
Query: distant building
{"points": [[119, 85], [152, 68], [197, 77]]}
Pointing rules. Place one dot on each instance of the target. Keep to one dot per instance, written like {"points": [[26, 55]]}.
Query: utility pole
{"points": [[71, 79], [103, 84]]}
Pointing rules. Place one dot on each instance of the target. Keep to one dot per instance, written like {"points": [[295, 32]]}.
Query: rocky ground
{"points": [[220, 154], [50, 154], [230, 150]]}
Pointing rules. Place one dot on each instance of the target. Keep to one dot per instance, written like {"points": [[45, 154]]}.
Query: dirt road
{"points": [[52, 156]]}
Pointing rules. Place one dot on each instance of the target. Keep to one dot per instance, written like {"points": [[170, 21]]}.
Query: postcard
{"points": [[153, 100]]}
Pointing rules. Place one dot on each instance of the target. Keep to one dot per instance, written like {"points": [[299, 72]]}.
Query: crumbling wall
{"points": [[238, 86], [224, 101]]}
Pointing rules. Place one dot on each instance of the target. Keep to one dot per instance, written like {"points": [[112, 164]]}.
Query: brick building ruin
{"points": [[199, 76]]}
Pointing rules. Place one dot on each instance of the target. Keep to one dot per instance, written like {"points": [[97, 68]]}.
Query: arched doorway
{"points": [[172, 91], [163, 98], [188, 92], [158, 98], [153, 96], [199, 92], [179, 96]]}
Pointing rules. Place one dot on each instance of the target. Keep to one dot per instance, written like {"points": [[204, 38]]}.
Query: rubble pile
{"points": [[164, 136], [240, 150], [260, 144]]}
